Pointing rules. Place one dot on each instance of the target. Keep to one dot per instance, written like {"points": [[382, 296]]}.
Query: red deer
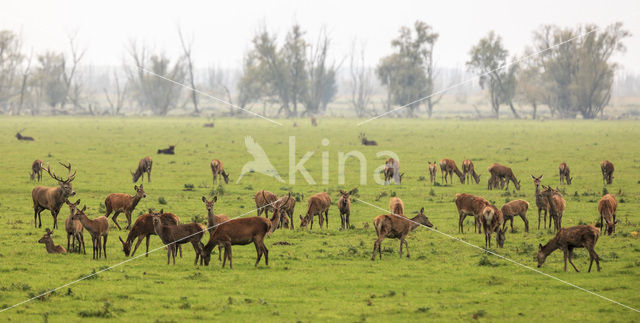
{"points": [[98, 228], [143, 228], [607, 171], [318, 204], [433, 170], [495, 182], [167, 151], [515, 208], [565, 173], [396, 227], [392, 171], [213, 220], [396, 206], [36, 170], [241, 231], [469, 172], [504, 173], [469, 205], [217, 168], [344, 206], [491, 220], [52, 198], [314, 121], [174, 235], [25, 138], [74, 229], [448, 167], [367, 142], [557, 205], [567, 239], [122, 202], [208, 125], [49, 245], [541, 202], [607, 209], [285, 206], [144, 166], [265, 201]]}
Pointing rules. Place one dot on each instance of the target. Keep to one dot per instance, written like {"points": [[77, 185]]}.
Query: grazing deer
{"points": [[48, 243], [143, 228], [285, 206], [344, 206], [491, 220], [265, 201], [567, 239], [98, 228], [396, 206], [433, 170], [557, 205], [241, 231], [448, 167], [504, 173], [217, 168], [495, 182], [364, 141], [541, 201], [167, 151], [607, 171], [208, 125], [392, 170], [36, 170], [565, 173], [513, 208], [52, 198], [144, 166], [74, 228], [396, 226], [314, 121], [469, 172], [607, 209], [213, 220], [175, 235], [25, 138], [470, 205], [122, 202], [318, 204]]}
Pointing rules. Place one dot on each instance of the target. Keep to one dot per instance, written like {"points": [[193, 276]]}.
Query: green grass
{"points": [[324, 274]]}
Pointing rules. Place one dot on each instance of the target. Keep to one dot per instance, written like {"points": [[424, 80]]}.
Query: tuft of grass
{"points": [[162, 201], [104, 312]]}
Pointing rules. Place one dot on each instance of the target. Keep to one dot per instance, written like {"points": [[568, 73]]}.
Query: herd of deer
{"points": [[225, 232]]}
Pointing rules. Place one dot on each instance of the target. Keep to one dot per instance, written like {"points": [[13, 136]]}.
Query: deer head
{"points": [[422, 219], [536, 180], [65, 184], [72, 206], [209, 204], [126, 247], [225, 175], [46, 238], [501, 237], [541, 255], [140, 193]]}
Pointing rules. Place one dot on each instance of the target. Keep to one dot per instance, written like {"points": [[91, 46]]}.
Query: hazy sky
{"points": [[223, 29]]}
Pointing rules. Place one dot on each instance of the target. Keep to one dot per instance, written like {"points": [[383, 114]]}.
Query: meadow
{"points": [[320, 275]]}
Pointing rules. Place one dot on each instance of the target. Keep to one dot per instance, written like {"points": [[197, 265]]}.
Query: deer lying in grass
{"points": [[98, 228], [469, 205], [217, 168], [565, 173], [167, 151], [515, 208], [52, 198], [557, 206], [36, 170], [607, 209], [175, 235], [396, 226], [448, 167], [567, 239], [48, 243], [144, 166], [365, 141], [143, 228], [344, 206], [504, 173], [74, 229], [392, 171], [285, 206], [241, 231], [469, 172], [491, 220], [396, 206], [122, 202], [541, 202], [264, 202], [25, 138], [318, 204], [433, 170], [607, 171]]}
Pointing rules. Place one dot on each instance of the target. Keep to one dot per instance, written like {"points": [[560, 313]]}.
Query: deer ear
{"points": [[140, 186], [84, 208], [135, 187], [422, 210], [215, 198], [67, 201], [540, 247], [161, 211], [204, 199], [541, 176], [300, 215], [121, 240]]}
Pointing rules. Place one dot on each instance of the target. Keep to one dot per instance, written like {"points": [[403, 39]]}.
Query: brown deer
{"points": [[317, 205], [265, 201], [396, 226], [344, 206], [433, 170], [392, 171], [469, 205], [21, 137], [52, 198], [122, 202], [98, 228], [167, 151], [241, 231], [469, 172], [217, 168], [143, 228], [208, 125], [213, 220], [48, 243], [285, 206], [557, 206], [495, 182], [565, 173], [541, 201], [448, 167], [504, 173], [144, 166], [567, 239], [314, 121], [396, 206], [607, 209], [491, 220], [175, 235], [74, 228], [36, 170], [515, 208], [365, 141], [607, 171]]}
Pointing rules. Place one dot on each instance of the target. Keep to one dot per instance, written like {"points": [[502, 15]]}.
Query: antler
{"points": [[57, 178], [71, 177]]}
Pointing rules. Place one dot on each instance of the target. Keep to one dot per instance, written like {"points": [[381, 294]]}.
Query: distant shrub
{"points": [[421, 179], [432, 192], [605, 191], [104, 312], [162, 201], [188, 187]]}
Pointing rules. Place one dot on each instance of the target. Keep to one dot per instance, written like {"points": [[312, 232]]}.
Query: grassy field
{"points": [[324, 274]]}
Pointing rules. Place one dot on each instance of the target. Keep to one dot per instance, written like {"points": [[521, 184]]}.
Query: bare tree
{"points": [[116, 100], [73, 88], [186, 50], [322, 76], [361, 87], [10, 60]]}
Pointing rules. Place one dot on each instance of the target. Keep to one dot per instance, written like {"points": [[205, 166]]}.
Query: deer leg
{"points": [[180, 248], [168, 255], [258, 251], [114, 219], [84, 251], [341, 220], [68, 236], [104, 247], [376, 246], [128, 215], [566, 255], [220, 252], [460, 219], [571, 261], [510, 223], [228, 245], [326, 217], [347, 216], [594, 256], [265, 251], [407, 247], [400, 247], [224, 260]]}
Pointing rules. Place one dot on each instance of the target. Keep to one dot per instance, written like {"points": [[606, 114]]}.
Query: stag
{"points": [[344, 206], [264, 202], [504, 173], [318, 204], [541, 201], [48, 243], [469, 172], [74, 228], [567, 239], [122, 202], [144, 166], [607, 171], [217, 168], [143, 228], [396, 226], [448, 167], [52, 198], [36, 170], [241, 231], [167, 151], [98, 228], [284, 208], [364, 141], [607, 209], [565, 173], [433, 170]]}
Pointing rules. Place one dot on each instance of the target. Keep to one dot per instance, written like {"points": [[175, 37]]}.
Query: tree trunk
{"points": [[535, 109], [513, 110]]}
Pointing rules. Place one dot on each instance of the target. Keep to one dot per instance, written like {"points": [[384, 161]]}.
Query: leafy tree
{"points": [[294, 55], [50, 76], [322, 85]]}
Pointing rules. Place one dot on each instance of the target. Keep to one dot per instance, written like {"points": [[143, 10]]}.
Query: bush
{"points": [[188, 187], [162, 201]]}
